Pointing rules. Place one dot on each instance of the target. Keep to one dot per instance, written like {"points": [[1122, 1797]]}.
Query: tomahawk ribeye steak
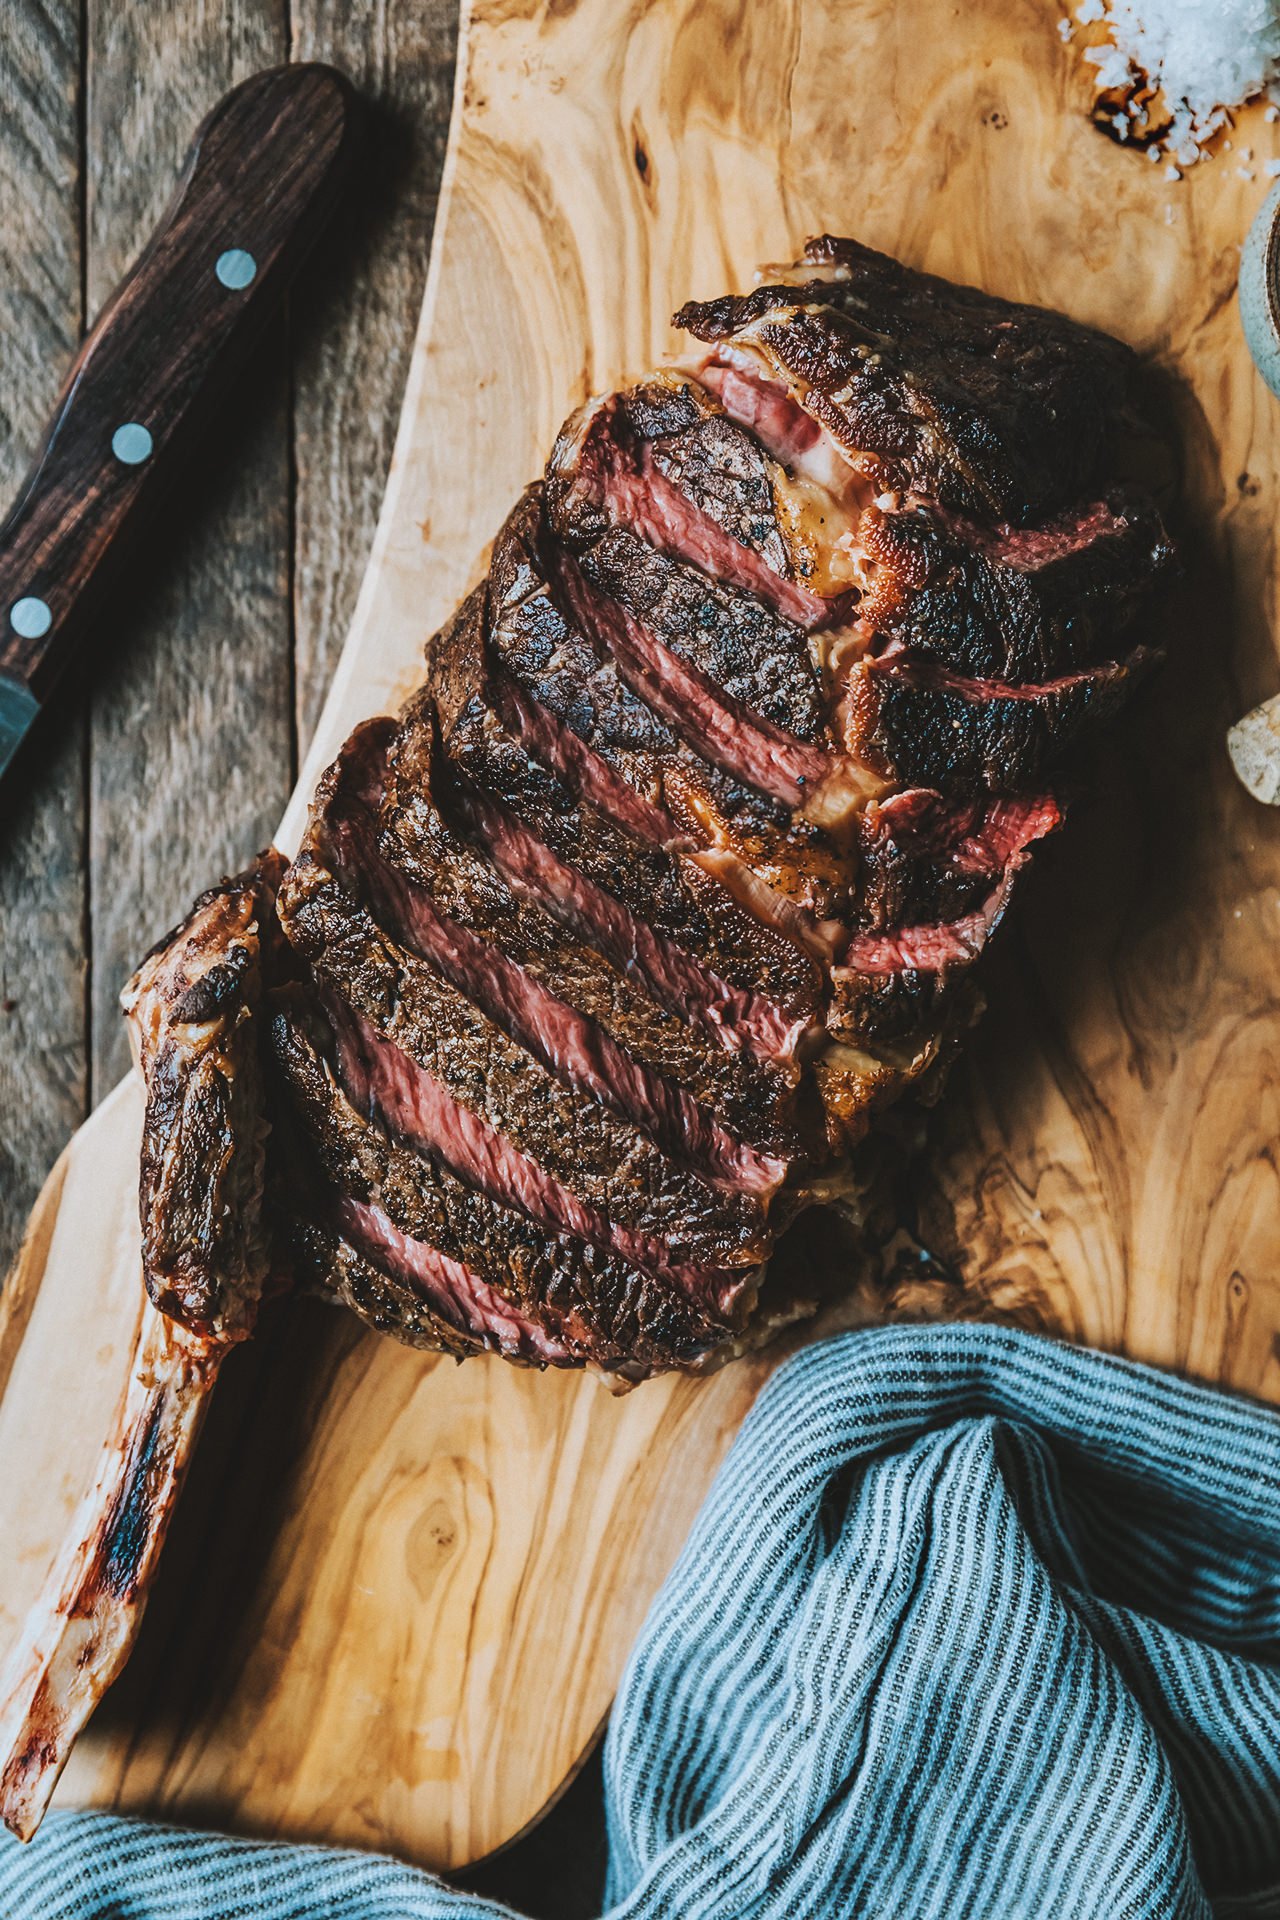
{"points": [[599, 964]]}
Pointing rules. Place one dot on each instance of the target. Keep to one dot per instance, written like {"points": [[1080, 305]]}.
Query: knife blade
{"points": [[264, 171]]}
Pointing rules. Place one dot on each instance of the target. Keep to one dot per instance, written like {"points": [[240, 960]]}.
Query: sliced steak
{"points": [[547, 1298], [753, 1100], [403, 1002], [647, 908], [193, 1010], [994, 408], [1007, 604], [570, 1045], [924, 860], [323, 1261], [564, 697], [666, 460], [919, 725], [737, 683]]}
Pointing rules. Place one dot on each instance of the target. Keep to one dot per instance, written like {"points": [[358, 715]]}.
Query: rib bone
{"points": [[81, 1632]]}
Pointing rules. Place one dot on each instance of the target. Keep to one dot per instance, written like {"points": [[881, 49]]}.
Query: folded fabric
{"points": [[972, 1623]]}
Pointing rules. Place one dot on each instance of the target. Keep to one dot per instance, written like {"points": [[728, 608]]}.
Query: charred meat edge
{"points": [[600, 1311], [192, 1008]]}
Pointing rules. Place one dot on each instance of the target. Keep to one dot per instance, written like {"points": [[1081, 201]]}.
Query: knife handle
{"points": [[264, 172]]}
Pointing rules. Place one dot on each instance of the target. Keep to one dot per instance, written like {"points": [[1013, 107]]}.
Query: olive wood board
{"points": [[399, 1594]]}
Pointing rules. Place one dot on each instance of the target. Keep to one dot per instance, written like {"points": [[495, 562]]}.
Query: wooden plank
{"points": [[43, 1067], [355, 307], [404, 1631], [191, 730]]}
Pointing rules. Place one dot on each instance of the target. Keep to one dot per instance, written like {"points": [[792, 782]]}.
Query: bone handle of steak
{"points": [[263, 174], [81, 1632]]}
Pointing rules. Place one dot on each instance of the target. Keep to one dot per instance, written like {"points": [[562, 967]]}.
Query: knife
{"points": [[265, 170]]}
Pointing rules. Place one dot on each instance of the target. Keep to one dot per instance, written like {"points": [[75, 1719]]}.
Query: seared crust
{"points": [[735, 641], [991, 407], [1023, 609], [192, 1008], [752, 1099], [922, 729], [605, 1162], [605, 1311]]}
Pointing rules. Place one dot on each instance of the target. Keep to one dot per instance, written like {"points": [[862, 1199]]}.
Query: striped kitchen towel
{"points": [[972, 1623]]}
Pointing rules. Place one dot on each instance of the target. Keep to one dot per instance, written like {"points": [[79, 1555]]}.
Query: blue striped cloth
{"points": [[971, 1623]]}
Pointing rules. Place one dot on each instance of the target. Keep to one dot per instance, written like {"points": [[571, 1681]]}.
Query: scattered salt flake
{"points": [[1064, 30], [1153, 154], [1171, 173], [1246, 153], [1272, 169], [1204, 57], [1244, 173], [1169, 216], [1272, 114]]}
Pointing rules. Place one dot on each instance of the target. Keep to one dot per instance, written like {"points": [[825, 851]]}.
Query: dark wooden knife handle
{"points": [[263, 174]]}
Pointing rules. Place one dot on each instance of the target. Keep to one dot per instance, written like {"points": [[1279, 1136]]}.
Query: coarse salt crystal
{"points": [[1171, 173], [1064, 30], [1272, 169], [1206, 57], [1272, 114]]}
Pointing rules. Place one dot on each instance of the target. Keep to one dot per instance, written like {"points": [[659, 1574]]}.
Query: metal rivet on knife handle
{"points": [[30, 617], [131, 443], [236, 268]]}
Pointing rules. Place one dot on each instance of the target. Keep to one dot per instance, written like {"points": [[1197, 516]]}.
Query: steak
{"points": [[533, 1296], [996, 409], [753, 1100], [603, 964]]}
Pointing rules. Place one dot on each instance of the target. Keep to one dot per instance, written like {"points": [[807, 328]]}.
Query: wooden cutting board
{"points": [[398, 1595]]}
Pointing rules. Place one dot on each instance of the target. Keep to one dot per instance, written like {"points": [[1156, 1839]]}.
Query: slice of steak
{"points": [[999, 603], [752, 1100], [323, 1261], [919, 725], [647, 908], [569, 1044], [406, 1004], [738, 684], [925, 860], [989, 406], [193, 1008], [547, 1298], [666, 460], [937, 878], [564, 698]]}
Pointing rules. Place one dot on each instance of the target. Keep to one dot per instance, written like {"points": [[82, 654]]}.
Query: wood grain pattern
{"points": [[405, 1632]]}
